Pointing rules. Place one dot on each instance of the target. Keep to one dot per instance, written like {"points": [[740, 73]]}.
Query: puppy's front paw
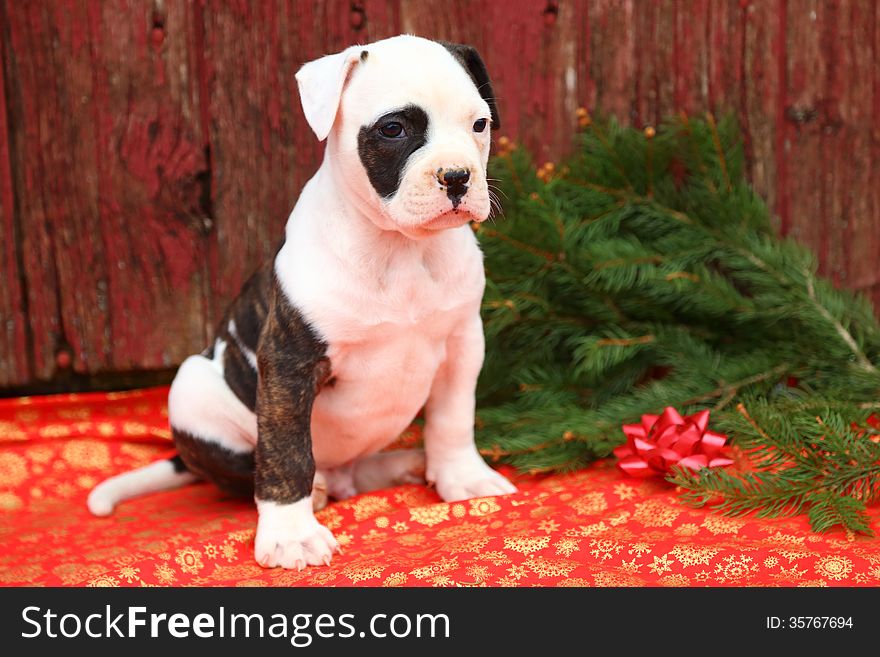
{"points": [[289, 535], [465, 477]]}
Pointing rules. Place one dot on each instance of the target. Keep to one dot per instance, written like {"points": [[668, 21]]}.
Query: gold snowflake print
{"points": [[190, 561], [479, 573], [409, 539], [590, 530], [442, 580], [567, 545], [164, 573], [686, 529], [241, 535], [395, 579], [624, 492], [614, 579], [654, 513], [517, 572], [548, 526], [689, 555], [128, 573], [734, 568], [10, 502], [228, 551], [525, 544], [674, 580], [788, 574], [590, 504], [639, 549], [544, 567], [329, 517], [369, 506], [770, 562], [441, 566], [573, 582], [360, 573], [720, 525], [835, 567], [483, 506], [104, 581], [604, 548], [507, 582], [211, 551], [496, 557], [430, 515], [702, 576], [629, 566], [661, 564], [400, 527]]}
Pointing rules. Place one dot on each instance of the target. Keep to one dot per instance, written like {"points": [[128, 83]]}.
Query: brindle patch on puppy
{"points": [[232, 472], [240, 331], [293, 366]]}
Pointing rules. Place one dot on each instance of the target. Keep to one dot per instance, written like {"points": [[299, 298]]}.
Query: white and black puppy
{"points": [[369, 312]]}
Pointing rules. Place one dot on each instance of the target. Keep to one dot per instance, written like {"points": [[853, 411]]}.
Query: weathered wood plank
{"points": [[14, 366], [262, 151], [107, 166], [156, 149]]}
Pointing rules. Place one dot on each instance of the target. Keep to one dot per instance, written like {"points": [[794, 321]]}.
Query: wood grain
{"points": [[150, 152], [14, 364], [106, 162]]}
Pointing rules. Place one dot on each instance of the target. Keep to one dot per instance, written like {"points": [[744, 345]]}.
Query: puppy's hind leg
{"points": [[374, 472], [386, 469], [213, 431], [153, 478]]}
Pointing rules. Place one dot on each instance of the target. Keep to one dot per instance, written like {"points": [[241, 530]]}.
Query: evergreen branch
{"points": [[626, 342], [845, 335], [488, 232], [710, 119], [620, 262], [647, 274], [612, 152], [732, 389]]}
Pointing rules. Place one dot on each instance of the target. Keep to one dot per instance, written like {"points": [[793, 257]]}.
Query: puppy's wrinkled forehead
{"points": [[410, 72]]}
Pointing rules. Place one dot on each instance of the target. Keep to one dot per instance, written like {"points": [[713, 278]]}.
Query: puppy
{"points": [[369, 312]]}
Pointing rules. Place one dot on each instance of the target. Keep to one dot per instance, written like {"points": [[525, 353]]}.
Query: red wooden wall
{"points": [[151, 151]]}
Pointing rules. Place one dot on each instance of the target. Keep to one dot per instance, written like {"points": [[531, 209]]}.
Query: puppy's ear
{"points": [[320, 85], [468, 57]]}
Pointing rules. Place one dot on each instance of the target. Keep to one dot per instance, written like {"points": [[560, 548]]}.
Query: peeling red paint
{"points": [[780, 53], [155, 153]]}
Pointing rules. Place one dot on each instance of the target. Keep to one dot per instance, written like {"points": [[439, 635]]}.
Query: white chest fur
{"points": [[385, 305]]}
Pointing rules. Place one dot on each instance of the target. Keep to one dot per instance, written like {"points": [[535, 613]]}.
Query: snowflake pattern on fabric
{"points": [[589, 528]]}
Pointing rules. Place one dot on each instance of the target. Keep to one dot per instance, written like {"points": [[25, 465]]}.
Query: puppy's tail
{"points": [[166, 474]]}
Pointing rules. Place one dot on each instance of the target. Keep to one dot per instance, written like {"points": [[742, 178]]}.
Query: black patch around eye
{"points": [[385, 159]]}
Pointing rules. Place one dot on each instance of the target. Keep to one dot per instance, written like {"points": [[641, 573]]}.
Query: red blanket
{"points": [[591, 528]]}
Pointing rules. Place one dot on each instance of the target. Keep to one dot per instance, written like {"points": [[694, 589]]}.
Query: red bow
{"points": [[662, 441]]}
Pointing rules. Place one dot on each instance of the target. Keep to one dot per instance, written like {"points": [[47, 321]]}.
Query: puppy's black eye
{"points": [[392, 130], [480, 125]]}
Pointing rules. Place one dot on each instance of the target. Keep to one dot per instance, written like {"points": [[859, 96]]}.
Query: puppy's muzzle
{"points": [[455, 180]]}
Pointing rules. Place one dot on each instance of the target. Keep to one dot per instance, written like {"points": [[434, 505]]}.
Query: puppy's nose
{"points": [[452, 177], [455, 180]]}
